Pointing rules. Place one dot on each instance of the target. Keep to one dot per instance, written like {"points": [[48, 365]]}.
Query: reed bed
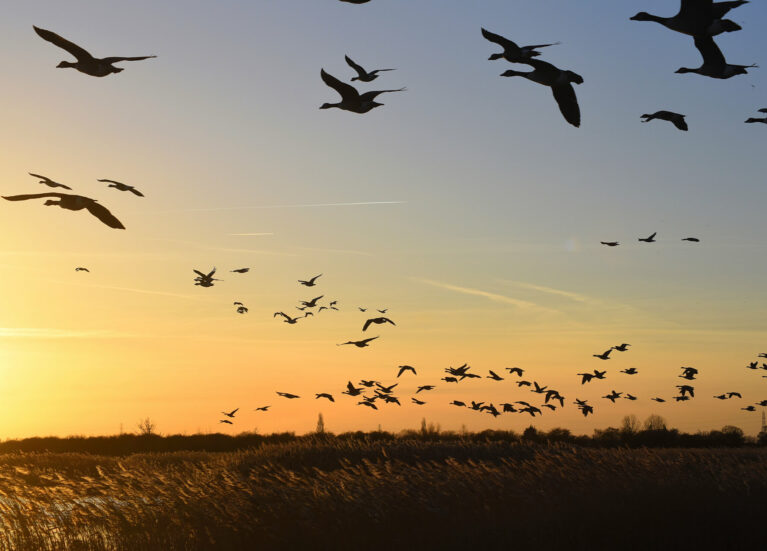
{"points": [[406, 494]]}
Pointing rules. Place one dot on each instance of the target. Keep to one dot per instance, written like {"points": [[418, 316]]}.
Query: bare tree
{"points": [[630, 424], [655, 422], [146, 427]]}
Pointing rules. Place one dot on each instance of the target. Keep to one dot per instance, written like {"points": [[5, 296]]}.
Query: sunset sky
{"points": [[466, 205]]}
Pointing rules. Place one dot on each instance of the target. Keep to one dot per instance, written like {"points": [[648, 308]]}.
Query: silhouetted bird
{"points": [[749, 408], [242, 310], [288, 395], [650, 239], [692, 239], [532, 410], [604, 355], [122, 187], [733, 394], [686, 389], [696, 18], [512, 370], [365, 402], [630, 397], [367, 384], [362, 74], [613, 396], [763, 403], [721, 397], [361, 309], [227, 421], [512, 52], [81, 269], [538, 389], [73, 202], [311, 303], [262, 408], [237, 303], [714, 63], [457, 403], [288, 319], [560, 83], [48, 182], [753, 365], [404, 368], [675, 118], [377, 321], [85, 63], [241, 270], [476, 406], [599, 374], [520, 384], [231, 413], [351, 390], [309, 282], [659, 400], [622, 347], [550, 406], [610, 243], [382, 311], [586, 377], [417, 402], [688, 373], [324, 395], [508, 408], [351, 99], [494, 376], [359, 344], [205, 280], [449, 379], [386, 389], [586, 410], [630, 371], [756, 119], [424, 387]]}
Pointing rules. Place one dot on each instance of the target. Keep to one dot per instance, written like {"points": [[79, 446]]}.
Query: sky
{"points": [[466, 205]]}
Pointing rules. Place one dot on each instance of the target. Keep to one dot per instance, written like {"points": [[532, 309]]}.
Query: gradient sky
{"points": [[466, 205]]}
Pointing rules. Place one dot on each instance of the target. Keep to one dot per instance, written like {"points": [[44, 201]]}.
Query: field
{"points": [[326, 493]]}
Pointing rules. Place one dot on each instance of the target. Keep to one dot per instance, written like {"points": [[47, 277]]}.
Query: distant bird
{"points": [[599, 374], [351, 390], [610, 243], [753, 365], [586, 410], [630, 397], [457, 403], [686, 389], [382, 311], [749, 408], [288, 319], [241, 270], [242, 310], [324, 395], [630, 371], [650, 239], [512, 52], [355, 1], [365, 402], [696, 18], [123, 187], [74, 202], [688, 373], [532, 410], [692, 239], [494, 376], [550, 406], [508, 408], [262, 408], [205, 280], [613, 396], [362, 74], [586, 377], [361, 309], [231, 413], [332, 303], [554, 395], [48, 182], [622, 347], [721, 397], [659, 400], [476, 406], [386, 389], [604, 355], [227, 421], [560, 83], [512, 370], [538, 389], [404, 368], [714, 63], [309, 282], [417, 402], [311, 303], [81, 269], [288, 395], [377, 321], [351, 99], [733, 394], [675, 118], [85, 63], [756, 119], [359, 344], [367, 384], [424, 387], [237, 303], [762, 355], [520, 384], [762, 403], [449, 379]]}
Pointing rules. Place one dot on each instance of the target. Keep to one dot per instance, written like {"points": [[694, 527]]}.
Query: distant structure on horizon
{"points": [[764, 422]]}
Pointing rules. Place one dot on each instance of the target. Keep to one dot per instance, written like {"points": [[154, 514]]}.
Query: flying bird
{"points": [[404, 368], [659, 400], [697, 18], [692, 239], [512, 370], [622, 347], [670, 116], [48, 182], [365, 402], [288, 395], [424, 387], [586, 377], [494, 376], [613, 396], [81, 269], [122, 187], [205, 280], [262, 408], [377, 321], [417, 401], [714, 63], [351, 390], [604, 355], [85, 63], [324, 395], [231, 413], [74, 202], [756, 119], [309, 282], [362, 74], [686, 389], [630, 371], [288, 319], [351, 99], [227, 421], [511, 51], [242, 310], [361, 309], [359, 344], [650, 239], [311, 303], [241, 270], [458, 403], [610, 243]]}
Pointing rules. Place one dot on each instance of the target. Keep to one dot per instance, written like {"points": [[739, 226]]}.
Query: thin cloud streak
{"points": [[296, 206], [549, 290], [495, 297]]}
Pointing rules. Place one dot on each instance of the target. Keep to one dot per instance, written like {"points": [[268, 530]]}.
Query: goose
{"points": [[242, 310], [311, 303], [686, 389], [512, 370], [560, 83], [622, 347], [377, 321], [362, 74], [585, 377], [476, 406], [424, 387], [714, 64], [449, 379], [554, 395], [733, 394], [630, 397], [355, 1], [231, 413], [85, 63], [324, 395], [307, 314], [532, 410], [586, 410], [390, 399], [659, 400], [511, 51], [754, 119], [73, 202], [320, 309], [494, 376], [650, 239], [122, 187], [721, 397], [351, 99], [205, 280], [309, 282], [382, 311], [613, 396], [458, 403], [417, 401], [332, 303], [691, 239], [366, 383], [237, 303], [762, 403], [604, 355], [361, 309], [227, 421], [470, 376], [749, 408], [288, 319], [48, 182], [403, 368], [670, 116], [241, 270], [520, 384], [288, 395], [491, 409], [550, 406], [508, 408], [351, 390], [386, 389], [262, 408], [81, 269], [753, 365], [630, 371], [599, 374], [538, 389], [365, 402], [688, 373], [359, 344], [610, 243], [696, 18]]}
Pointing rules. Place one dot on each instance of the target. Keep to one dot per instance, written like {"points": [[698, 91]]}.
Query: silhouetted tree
{"points": [[630, 424], [655, 422], [320, 424], [530, 434], [761, 440], [733, 435], [146, 427]]}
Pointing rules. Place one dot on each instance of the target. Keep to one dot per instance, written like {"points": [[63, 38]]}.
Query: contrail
{"points": [[297, 206], [495, 297]]}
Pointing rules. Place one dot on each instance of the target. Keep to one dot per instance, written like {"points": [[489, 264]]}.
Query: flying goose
{"points": [[518, 370], [367, 384], [81, 269], [242, 310], [324, 395], [417, 401], [659, 400], [351, 390], [686, 389], [74, 202], [688, 373], [241, 270], [262, 408], [622, 347], [650, 239], [382, 311], [449, 379], [231, 413], [351, 99], [520, 384], [310, 282], [458, 403], [691, 239], [85, 63], [670, 116], [610, 243], [733, 394], [755, 119], [494, 376], [386, 389], [288, 319], [697, 18], [424, 387], [311, 303], [613, 396], [630, 371], [714, 63], [749, 408], [205, 280], [48, 182], [404, 368], [122, 187], [511, 51], [630, 397], [227, 421], [237, 303], [362, 74], [599, 374], [288, 395], [359, 344], [538, 389], [560, 83], [604, 355], [585, 377], [377, 321]]}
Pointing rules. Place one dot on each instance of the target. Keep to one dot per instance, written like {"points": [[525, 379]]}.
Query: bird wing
{"points": [[387, 320], [368, 340], [536, 46], [347, 91], [134, 191], [367, 324], [711, 53], [110, 181], [568, 103], [103, 214], [360, 71], [370, 96], [80, 53], [34, 196], [111, 60], [693, 9], [312, 280], [505, 43]]}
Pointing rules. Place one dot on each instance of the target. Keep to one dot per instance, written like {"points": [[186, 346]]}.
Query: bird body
{"points": [[377, 321], [241, 270], [288, 395], [351, 99], [670, 116], [511, 51], [122, 187], [231, 413], [362, 74], [74, 202], [610, 243], [714, 64]]}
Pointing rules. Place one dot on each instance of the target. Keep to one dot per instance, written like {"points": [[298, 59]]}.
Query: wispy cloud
{"points": [[295, 206], [495, 297], [335, 251], [549, 290], [50, 333]]}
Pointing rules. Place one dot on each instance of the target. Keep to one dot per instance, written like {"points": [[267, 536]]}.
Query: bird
{"points": [[237, 303], [262, 408], [659, 400], [288, 319], [73, 202], [753, 365], [457, 403], [532, 410], [552, 407], [242, 310], [404, 368], [691, 239], [227, 421], [613, 396], [231, 413], [538, 389], [721, 397], [756, 119], [382, 311], [355, 1], [365, 402], [241, 270], [81, 269], [630, 371], [714, 64], [122, 187], [311, 303], [670, 116], [688, 373], [696, 18], [324, 395], [604, 355], [361, 309], [417, 401], [351, 99], [610, 243], [424, 387], [288, 395], [362, 74], [630, 397], [205, 280], [359, 344], [586, 410], [511, 51], [494, 376], [386, 389], [650, 239], [519, 371], [622, 347], [520, 384], [48, 182], [560, 83], [599, 374], [733, 394], [449, 379], [377, 321], [476, 406], [309, 282], [554, 395], [762, 403], [351, 390], [367, 384], [86, 63], [749, 408], [686, 389]]}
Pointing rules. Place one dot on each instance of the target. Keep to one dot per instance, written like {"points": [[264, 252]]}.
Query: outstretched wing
{"points": [[360, 71], [711, 53], [103, 214], [80, 53], [370, 96], [568, 103], [347, 92], [134, 191], [110, 181], [505, 43], [367, 324], [312, 280], [111, 60], [34, 196], [368, 340]]}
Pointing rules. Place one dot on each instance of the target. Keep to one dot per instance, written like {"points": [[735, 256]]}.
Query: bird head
{"points": [[65, 64], [326, 106], [494, 57], [642, 16], [683, 70]]}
